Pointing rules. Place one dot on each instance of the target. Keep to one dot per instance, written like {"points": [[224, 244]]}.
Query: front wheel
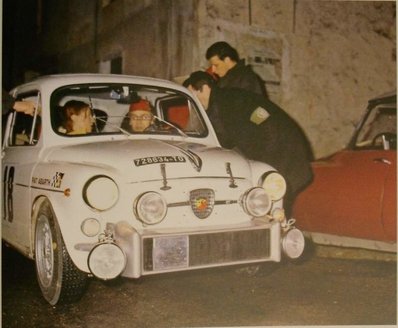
{"points": [[59, 280]]}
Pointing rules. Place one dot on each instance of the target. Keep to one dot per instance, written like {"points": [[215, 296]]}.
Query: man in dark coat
{"points": [[231, 70], [260, 129]]}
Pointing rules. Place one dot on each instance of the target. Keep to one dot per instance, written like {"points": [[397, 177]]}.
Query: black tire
{"points": [[59, 279]]}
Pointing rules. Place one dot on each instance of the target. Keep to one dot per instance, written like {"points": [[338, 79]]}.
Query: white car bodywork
{"points": [[56, 170]]}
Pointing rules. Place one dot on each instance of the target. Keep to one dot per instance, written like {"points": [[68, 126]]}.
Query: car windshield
{"points": [[380, 126], [98, 109]]}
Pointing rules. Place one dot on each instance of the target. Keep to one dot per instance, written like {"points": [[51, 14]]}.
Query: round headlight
{"points": [[106, 261], [293, 243], [100, 193], [150, 207], [256, 202], [274, 185]]}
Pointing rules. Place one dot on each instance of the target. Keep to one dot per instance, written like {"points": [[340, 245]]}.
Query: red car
{"points": [[352, 200]]}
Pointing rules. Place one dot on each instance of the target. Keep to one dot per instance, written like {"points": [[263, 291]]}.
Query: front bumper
{"points": [[166, 251]]}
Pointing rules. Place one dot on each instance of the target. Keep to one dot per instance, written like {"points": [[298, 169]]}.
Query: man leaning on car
{"points": [[260, 129]]}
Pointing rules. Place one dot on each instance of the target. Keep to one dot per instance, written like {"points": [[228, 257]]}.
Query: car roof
{"points": [[57, 80], [72, 76]]}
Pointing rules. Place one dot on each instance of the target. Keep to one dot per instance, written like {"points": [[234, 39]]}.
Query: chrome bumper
{"points": [[157, 252]]}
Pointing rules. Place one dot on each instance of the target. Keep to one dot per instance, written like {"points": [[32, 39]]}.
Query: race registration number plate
{"points": [[158, 159], [170, 252]]}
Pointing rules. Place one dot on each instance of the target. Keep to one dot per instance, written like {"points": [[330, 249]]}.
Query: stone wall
{"points": [[323, 59]]}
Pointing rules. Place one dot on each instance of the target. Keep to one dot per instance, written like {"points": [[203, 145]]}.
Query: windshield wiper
{"points": [[172, 125], [93, 114]]}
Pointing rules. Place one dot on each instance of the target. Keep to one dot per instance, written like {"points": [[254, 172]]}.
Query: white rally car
{"points": [[115, 203]]}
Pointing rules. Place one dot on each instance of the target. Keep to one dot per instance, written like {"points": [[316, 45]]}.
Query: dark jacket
{"points": [[275, 139], [242, 76]]}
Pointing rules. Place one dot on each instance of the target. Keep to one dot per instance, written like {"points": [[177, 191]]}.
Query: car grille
{"points": [[177, 252]]}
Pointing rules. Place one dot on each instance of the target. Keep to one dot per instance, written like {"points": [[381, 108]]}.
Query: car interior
{"points": [[175, 113]]}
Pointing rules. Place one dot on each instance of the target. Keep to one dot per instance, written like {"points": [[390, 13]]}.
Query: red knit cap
{"points": [[140, 105]]}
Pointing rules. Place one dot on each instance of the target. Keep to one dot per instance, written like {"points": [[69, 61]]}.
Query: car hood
{"points": [[135, 159]]}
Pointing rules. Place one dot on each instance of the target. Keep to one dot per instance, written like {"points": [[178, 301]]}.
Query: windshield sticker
{"points": [[159, 159]]}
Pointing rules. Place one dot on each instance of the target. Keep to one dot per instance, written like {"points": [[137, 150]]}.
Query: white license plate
{"points": [[170, 252]]}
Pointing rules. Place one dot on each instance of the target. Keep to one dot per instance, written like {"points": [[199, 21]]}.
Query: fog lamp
{"points": [[106, 261], [275, 185], [100, 193], [293, 243]]}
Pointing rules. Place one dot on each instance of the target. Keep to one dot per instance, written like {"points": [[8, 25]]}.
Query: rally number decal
{"points": [[7, 193]]}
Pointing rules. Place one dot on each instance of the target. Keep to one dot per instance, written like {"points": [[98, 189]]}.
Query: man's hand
{"points": [[27, 107]]}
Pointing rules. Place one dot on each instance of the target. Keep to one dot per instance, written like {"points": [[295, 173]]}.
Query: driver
{"points": [[141, 116]]}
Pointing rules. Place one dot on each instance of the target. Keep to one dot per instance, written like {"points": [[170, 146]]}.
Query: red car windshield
{"points": [[379, 129]]}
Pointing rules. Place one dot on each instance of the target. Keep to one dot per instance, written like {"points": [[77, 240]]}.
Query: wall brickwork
{"points": [[331, 56]]}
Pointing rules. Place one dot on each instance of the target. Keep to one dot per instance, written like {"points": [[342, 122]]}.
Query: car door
{"points": [[354, 191], [345, 198], [378, 133], [21, 147]]}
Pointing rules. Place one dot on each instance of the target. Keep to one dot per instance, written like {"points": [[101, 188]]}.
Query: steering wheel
{"points": [[390, 137]]}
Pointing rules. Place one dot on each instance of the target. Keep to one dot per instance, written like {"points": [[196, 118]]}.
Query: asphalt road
{"points": [[322, 291]]}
